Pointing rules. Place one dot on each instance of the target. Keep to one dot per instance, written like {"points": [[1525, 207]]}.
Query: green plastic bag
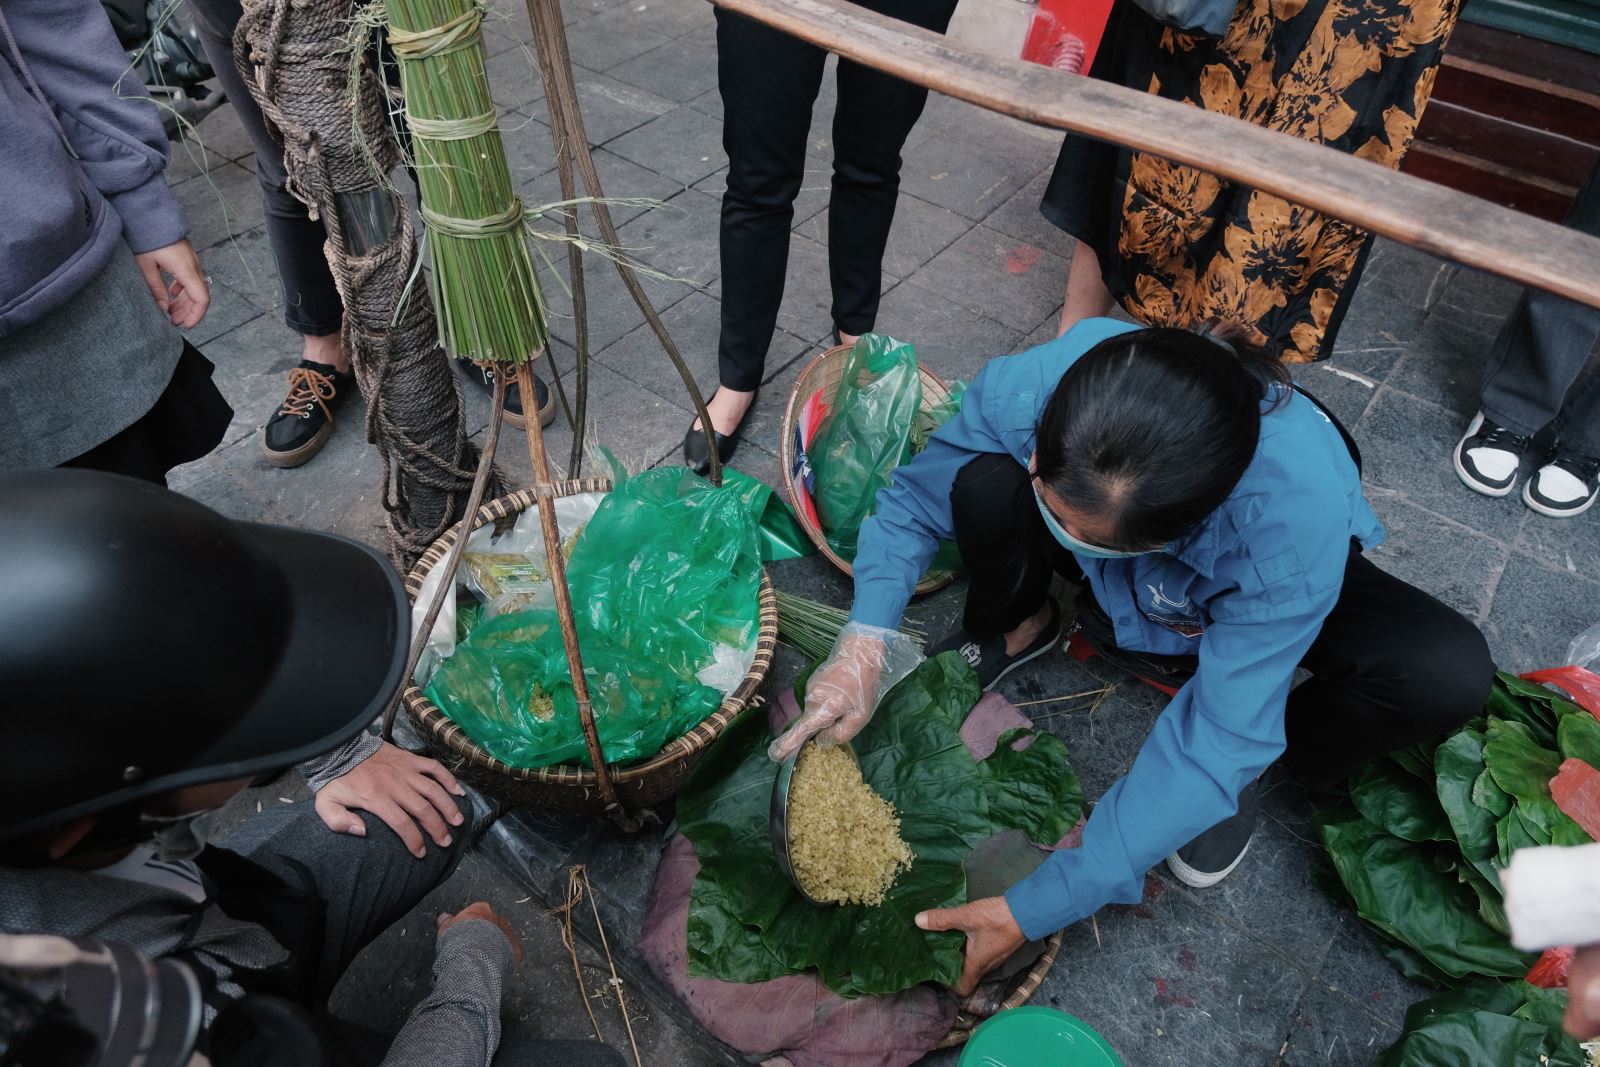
{"points": [[665, 582], [668, 570], [508, 687], [778, 532], [867, 435]]}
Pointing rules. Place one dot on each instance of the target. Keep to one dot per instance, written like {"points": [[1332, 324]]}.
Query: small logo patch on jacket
{"points": [[1180, 615]]}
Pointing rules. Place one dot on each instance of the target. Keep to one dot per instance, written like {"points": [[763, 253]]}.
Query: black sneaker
{"points": [[1212, 856], [514, 413], [304, 421], [1487, 457], [988, 658], [1565, 486]]}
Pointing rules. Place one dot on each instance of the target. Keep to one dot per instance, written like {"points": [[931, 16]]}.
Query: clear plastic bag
{"points": [[1585, 649]]}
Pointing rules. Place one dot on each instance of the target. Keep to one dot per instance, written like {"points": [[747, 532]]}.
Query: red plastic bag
{"points": [[1576, 791], [1551, 970], [1580, 683]]}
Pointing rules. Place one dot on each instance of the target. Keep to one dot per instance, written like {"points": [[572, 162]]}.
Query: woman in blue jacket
{"points": [[1214, 517]]}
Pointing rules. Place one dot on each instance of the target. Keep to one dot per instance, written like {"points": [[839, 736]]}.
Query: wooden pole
{"points": [[1410, 210], [557, 568]]}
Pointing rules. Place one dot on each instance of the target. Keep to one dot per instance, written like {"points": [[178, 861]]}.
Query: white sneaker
{"points": [[1487, 457], [1565, 486]]}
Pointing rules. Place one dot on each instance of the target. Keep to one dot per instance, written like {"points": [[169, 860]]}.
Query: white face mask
{"points": [[180, 837]]}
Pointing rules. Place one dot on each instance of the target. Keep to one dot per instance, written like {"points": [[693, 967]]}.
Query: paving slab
{"points": [[682, 69], [997, 276]]}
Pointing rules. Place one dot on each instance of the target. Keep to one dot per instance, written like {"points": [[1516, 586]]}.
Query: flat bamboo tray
{"points": [[567, 788], [824, 373]]}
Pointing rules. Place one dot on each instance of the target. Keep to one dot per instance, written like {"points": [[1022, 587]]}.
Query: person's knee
{"points": [[1446, 670], [985, 480]]}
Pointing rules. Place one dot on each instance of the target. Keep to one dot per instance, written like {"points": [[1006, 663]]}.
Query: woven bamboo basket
{"points": [[566, 788], [1022, 988], [824, 374]]}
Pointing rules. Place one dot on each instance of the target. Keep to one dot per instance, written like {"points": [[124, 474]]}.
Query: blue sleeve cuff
{"points": [[878, 603], [1042, 903]]}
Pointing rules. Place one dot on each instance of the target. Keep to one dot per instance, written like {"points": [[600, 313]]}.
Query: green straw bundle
{"points": [[813, 627], [485, 294]]}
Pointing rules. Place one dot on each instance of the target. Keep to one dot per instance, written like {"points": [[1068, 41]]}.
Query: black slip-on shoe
{"points": [[988, 657], [1212, 856]]}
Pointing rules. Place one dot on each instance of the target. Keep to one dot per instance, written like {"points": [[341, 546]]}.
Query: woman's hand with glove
{"points": [[841, 695]]}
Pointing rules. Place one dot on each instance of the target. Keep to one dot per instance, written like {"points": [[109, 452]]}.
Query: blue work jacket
{"points": [[1247, 591]]}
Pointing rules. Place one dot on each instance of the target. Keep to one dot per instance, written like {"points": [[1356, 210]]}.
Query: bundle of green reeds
{"points": [[813, 627], [485, 294]]}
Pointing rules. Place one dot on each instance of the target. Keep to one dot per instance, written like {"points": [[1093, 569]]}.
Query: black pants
{"points": [[1537, 362], [311, 299], [1392, 666], [769, 82]]}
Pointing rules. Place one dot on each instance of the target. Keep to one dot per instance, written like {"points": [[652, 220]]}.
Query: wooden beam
{"points": [[1446, 223]]}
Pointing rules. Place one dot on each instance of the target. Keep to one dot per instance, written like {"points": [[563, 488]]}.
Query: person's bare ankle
{"points": [[728, 408], [327, 350], [1028, 631], [848, 338]]}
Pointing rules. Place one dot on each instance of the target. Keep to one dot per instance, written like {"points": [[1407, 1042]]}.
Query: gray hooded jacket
{"points": [[82, 157]]}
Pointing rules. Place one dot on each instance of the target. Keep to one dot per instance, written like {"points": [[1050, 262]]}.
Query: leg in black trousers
{"points": [[311, 300], [875, 115], [1392, 667], [769, 82]]}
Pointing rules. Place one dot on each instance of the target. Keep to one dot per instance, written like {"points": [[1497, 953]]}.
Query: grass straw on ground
{"points": [[813, 627]]}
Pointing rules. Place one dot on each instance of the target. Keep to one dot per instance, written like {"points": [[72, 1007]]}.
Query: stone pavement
{"points": [[1261, 970]]}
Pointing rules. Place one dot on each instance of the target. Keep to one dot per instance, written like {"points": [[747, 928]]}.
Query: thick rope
{"points": [[294, 56]]}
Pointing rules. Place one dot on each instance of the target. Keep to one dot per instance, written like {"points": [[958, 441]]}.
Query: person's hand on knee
{"points": [[413, 795]]}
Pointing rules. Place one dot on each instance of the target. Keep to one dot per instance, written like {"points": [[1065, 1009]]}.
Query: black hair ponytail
{"points": [[1152, 429]]}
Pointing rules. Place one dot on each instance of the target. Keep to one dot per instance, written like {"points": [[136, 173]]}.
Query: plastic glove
{"points": [[866, 662]]}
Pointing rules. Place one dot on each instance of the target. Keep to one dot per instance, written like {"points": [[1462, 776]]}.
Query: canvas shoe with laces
{"points": [[514, 416], [1565, 486], [304, 421], [1487, 457]]}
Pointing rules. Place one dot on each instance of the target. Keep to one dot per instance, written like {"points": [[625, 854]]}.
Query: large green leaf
{"points": [[1527, 703], [1578, 737], [1398, 802], [1490, 797], [1519, 764], [1417, 759], [747, 922], [1399, 889], [1458, 763], [1028, 790], [1485, 1022]]}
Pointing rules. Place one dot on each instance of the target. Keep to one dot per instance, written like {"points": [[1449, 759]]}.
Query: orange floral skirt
{"points": [[1178, 246]]}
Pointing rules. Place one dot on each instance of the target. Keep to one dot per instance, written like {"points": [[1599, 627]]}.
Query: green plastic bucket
{"points": [[1033, 1036]]}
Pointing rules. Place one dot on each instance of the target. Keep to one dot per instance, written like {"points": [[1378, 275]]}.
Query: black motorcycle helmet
{"points": [[147, 643]]}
